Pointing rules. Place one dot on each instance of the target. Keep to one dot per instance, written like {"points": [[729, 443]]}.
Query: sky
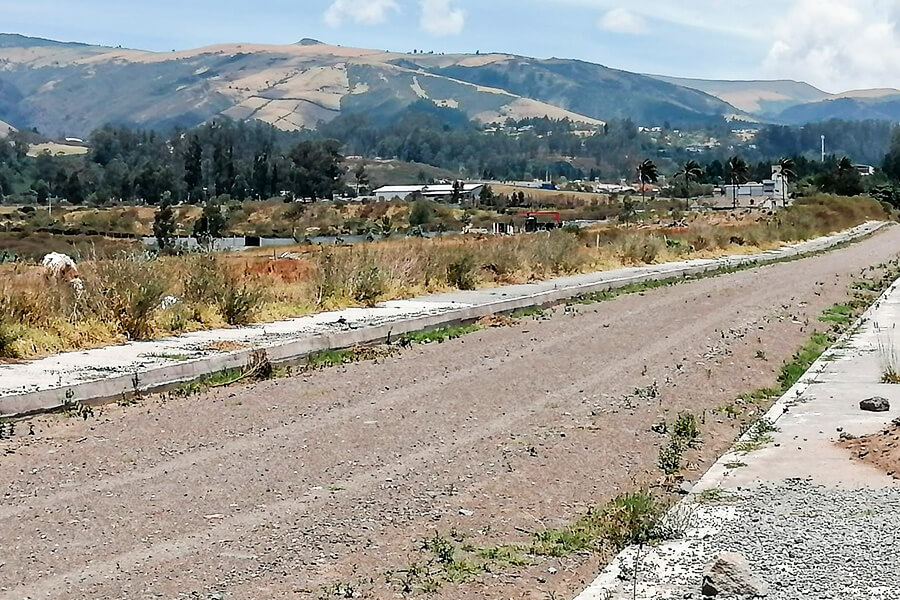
{"points": [[836, 45]]}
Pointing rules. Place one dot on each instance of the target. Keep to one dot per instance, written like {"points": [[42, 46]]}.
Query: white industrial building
{"points": [[434, 191], [769, 193]]}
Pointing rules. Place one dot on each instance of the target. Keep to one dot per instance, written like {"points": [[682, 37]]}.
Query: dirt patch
{"points": [[881, 450], [330, 482], [284, 270]]}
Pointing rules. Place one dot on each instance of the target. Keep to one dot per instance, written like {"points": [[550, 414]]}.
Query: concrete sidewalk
{"points": [[811, 522], [106, 373]]}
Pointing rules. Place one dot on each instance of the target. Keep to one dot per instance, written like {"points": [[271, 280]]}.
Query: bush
{"points": [[369, 285], [8, 337], [461, 273], [686, 427], [239, 300], [640, 249], [129, 290]]}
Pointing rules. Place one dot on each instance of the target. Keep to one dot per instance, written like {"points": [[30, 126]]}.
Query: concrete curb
{"points": [[162, 377]]}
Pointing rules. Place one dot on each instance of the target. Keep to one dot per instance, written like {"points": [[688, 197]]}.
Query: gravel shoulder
{"points": [[287, 488]]}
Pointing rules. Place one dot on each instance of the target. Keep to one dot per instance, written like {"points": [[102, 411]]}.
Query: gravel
{"points": [[804, 541]]}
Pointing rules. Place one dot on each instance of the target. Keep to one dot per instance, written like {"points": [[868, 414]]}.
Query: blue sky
{"points": [[835, 44]]}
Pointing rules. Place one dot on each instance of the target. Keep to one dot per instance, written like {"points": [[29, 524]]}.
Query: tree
{"points": [[891, 164], [691, 171], [361, 177], [42, 189], [261, 176], [74, 191], [210, 226], [737, 172], [164, 224], [842, 179], [486, 195], [421, 213], [193, 168], [788, 174], [456, 192], [647, 174], [316, 169]]}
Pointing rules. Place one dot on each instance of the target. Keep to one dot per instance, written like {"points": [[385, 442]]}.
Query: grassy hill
{"points": [[762, 98], [883, 108], [71, 89]]}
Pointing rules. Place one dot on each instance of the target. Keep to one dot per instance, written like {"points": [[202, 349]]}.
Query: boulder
{"points": [[729, 575], [875, 404]]}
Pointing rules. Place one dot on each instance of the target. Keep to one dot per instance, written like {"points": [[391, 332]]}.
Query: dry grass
{"points": [[127, 297]]}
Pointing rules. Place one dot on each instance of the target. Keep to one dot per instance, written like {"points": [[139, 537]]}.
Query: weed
{"points": [[77, 409], [462, 273], [669, 460], [713, 496], [439, 336], [526, 313], [759, 435], [730, 410], [793, 370], [735, 465], [841, 314], [683, 433], [8, 336], [890, 364]]}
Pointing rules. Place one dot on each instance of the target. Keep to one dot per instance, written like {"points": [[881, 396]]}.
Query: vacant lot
{"points": [[322, 486]]}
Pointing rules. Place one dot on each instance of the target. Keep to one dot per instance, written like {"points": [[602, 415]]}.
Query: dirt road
{"points": [[317, 486]]}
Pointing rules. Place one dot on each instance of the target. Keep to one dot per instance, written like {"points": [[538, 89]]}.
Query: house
{"points": [[865, 170], [435, 191]]}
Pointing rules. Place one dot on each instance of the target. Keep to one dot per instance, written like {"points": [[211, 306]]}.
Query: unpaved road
{"points": [[279, 489]]}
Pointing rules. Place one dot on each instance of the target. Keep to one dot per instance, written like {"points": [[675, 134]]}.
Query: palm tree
{"points": [[691, 171], [845, 165], [738, 171], [788, 173], [647, 174]]}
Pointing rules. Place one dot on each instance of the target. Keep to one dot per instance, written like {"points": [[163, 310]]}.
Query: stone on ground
{"points": [[875, 404], [729, 574]]}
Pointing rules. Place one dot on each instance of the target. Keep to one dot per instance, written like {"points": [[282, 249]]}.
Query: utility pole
{"points": [[823, 149]]}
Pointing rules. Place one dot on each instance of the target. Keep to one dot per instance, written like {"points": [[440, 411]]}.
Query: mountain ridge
{"points": [[65, 89]]}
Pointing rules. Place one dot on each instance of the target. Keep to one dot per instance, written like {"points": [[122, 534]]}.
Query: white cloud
{"points": [[622, 20], [837, 44], [440, 18], [362, 12]]}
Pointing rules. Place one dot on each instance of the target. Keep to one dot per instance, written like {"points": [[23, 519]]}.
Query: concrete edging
{"points": [[162, 377]]}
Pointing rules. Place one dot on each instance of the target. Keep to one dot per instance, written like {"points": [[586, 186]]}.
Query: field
{"points": [[134, 296], [57, 149], [477, 468]]}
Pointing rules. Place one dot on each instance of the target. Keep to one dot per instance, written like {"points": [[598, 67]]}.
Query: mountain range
{"points": [[70, 89]]}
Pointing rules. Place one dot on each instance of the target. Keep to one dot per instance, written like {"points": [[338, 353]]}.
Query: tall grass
{"points": [[123, 296]]}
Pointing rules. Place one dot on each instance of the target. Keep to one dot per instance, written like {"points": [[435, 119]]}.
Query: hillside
{"points": [[861, 107], [796, 102], [71, 89], [762, 98]]}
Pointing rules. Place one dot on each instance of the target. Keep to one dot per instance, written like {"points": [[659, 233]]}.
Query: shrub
{"points": [[369, 285], [239, 300], [686, 427], [8, 337], [669, 459], [129, 290], [461, 273]]}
